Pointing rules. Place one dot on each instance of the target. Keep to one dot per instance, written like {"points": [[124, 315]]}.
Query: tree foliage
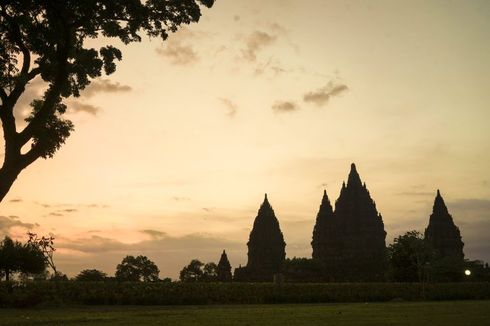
{"points": [[17, 257], [45, 244], [197, 271], [411, 258], [47, 40], [136, 269], [91, 275]]}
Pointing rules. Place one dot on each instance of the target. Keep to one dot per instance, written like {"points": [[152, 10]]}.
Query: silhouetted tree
{"points": [[18, 257], [224, 268], [210, 272], [303, 270], [197, 271], [266, 246], [46, 246], [47, 39], [136, 269], [192, 272], [411, 258], [91, 275]]}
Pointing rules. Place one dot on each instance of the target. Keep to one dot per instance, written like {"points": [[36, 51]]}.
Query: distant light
{"points": [[467, 272]]}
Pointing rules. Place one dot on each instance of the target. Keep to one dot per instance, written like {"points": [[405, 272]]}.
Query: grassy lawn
{"points": [[393, 313]]}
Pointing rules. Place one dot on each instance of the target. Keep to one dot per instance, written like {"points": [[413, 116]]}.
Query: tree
{"points": [[18, 257], [46, 246], [192, 272], [136, 269], [210, 272], [411, 258], [46, 39], [91, 275]]}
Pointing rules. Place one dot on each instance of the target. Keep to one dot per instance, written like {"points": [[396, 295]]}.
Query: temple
{"points": [[323, 233], [266, 246], [224, 268], [442, 233], [350, 242]]}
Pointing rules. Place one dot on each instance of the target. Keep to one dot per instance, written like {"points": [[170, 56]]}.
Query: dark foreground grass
{"points": [[442, 313]]}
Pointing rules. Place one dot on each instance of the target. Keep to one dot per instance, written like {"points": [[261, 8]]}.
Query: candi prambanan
{"points": [[348, 242]]}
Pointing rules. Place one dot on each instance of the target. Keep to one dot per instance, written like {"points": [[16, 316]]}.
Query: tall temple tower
{"points": [[266, 246], [442, 233], [224, 268], [323, 233], [351, 241]]}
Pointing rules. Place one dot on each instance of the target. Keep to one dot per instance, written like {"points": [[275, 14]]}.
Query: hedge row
{"points": [[113, 293]]}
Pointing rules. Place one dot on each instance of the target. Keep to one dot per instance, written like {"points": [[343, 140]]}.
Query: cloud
{"points": [[176, 198], [471, 204], [155, 234], [160, 241], [104, 86], [15, 200], [231, 107], [75, 106], [69, 210], [284, 106], [8, 222], [255, 43], [323, 95], [178, 53], [417, 193]]}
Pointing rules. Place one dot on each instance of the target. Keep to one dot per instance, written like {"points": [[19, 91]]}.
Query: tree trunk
{"points": [[7, 275], [7, 178]]}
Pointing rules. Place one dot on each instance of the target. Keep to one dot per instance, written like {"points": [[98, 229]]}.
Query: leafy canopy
{"points": [[136, 269], [91, 275], [17, 257], [49, 39]]}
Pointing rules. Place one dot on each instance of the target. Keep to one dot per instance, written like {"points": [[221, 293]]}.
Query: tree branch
{"points": [[28, 158], [3, 95]]}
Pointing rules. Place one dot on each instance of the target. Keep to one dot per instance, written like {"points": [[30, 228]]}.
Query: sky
{"points": [[172, 154]]}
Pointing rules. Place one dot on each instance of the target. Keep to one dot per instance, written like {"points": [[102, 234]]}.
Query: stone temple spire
{"points": [[322, 232], [224, 268], [354, 179], [266, 246], [357, 249], [442, 233]]}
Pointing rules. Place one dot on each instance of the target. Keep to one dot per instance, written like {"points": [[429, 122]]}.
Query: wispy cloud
{"points": [[8, 222], [155, 234], [230, 106], [255, 42], [284, 106], [417, 193], [321, 96], [104, 86], [75, 106], [178, 53]]}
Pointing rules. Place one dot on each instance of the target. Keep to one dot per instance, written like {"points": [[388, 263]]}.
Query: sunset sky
{"points": [[172, 154]]}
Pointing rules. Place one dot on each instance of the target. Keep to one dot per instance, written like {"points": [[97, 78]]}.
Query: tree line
{"points": [[411, 259]]}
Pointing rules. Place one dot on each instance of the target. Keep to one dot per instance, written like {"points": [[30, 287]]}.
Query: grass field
{"points": [[393, 313]]}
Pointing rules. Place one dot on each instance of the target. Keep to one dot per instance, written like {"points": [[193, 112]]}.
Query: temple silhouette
{"points": [[266, 247], [442, 233], [348, 242]]}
